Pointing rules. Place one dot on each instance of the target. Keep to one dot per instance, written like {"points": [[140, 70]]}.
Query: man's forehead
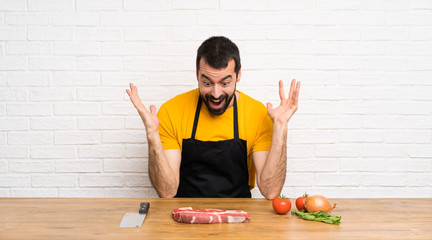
{"points": [[206, 68]]}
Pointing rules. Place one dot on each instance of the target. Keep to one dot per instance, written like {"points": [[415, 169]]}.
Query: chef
{"points": [[215, 141]]}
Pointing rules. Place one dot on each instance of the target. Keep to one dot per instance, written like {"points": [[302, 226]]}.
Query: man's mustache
{"points": [[221, 97]]}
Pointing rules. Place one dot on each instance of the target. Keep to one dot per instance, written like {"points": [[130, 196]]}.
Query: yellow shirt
{"points": [[176, 118]]}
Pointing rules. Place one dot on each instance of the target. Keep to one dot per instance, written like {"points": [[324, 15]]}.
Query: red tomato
{"points": [[300, 202], [281, 205]]}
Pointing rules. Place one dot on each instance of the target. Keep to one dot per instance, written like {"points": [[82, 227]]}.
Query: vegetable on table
{"points": [[318, 216], [281, 204], [300, 202], [318, 203]]}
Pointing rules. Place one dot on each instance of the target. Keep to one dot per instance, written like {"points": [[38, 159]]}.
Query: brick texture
{"points": [[68, 129]]}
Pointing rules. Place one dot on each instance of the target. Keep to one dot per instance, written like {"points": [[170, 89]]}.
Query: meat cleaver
{"points": [[135, 220]]}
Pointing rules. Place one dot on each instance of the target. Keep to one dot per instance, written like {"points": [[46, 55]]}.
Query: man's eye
{"points": [[225, 84], [207, 84]]}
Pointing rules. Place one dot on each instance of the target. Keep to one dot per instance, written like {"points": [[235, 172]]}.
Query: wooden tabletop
{"points": [[61, 218]]}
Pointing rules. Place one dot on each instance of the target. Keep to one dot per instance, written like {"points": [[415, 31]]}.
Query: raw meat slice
{"points": [[194, 216]]}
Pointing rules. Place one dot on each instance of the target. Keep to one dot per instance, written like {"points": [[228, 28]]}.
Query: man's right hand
{"points": [[164, 165], [149, 118]]}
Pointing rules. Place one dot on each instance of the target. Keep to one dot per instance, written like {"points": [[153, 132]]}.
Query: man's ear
{"points": [[238, 76]]}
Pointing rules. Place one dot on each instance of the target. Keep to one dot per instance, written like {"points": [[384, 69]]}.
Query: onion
{"points": [[318, 203]]}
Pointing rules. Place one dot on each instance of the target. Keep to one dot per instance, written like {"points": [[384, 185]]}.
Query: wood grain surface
{"points": [[61, 218]]}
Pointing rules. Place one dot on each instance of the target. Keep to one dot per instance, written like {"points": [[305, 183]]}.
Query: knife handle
{"points": [[144, 207]]}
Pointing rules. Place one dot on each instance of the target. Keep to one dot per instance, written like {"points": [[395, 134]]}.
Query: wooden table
{"points": [[60, 218]]}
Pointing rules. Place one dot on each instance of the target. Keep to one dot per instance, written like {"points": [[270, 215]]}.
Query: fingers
{"points": [[133, 92], [134, 97], [269, 106], [281, 90], [153, 109], [297, 92], [292, 90], [132, 89]]}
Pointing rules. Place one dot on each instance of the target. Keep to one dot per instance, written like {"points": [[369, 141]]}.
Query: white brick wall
{"points": [[67, 128]]}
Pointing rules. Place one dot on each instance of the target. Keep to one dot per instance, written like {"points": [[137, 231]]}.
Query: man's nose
{"points": [[216, 91]]}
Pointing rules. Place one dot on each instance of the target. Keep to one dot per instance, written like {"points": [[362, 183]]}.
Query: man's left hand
{"points": [[288, 106]]}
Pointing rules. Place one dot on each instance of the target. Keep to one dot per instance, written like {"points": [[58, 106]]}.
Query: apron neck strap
{"points": [[197, 113], [236, 133]]}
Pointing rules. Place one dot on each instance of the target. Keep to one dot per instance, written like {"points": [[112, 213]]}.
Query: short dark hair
{"points": [[217, 51]]}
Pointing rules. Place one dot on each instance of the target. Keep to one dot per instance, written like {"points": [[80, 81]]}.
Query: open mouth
{"points": [[216, 106], [216, 103]]}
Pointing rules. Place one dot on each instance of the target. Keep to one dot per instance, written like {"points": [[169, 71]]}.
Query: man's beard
{"points": [[208, 97]]}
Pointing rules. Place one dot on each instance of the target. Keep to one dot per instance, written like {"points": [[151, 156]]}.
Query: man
{"points": [[214, 149]]}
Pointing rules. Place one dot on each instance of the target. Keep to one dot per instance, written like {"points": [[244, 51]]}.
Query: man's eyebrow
{"points": [[205, 76]]}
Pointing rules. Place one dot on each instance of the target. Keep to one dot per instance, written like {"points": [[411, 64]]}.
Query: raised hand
{"points": [[288, 106], [149, 118]]}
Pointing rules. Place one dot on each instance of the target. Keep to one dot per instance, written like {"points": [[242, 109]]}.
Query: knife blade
{"points": [[135, 220]]}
